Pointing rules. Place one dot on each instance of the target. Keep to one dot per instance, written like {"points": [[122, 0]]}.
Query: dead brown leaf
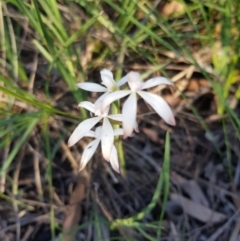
{"points": [[197, 211], [152, 134], [73, 211], [172, 7], [192, 188]]}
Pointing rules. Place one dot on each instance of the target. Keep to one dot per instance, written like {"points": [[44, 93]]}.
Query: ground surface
{"points": [[44, 196]]}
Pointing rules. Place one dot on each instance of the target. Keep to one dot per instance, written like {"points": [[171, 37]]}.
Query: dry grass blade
{"points": [[28, 233], [3, 177], [29, 219], [223, 228], [70, 157], [235, 233], [174, 231]]}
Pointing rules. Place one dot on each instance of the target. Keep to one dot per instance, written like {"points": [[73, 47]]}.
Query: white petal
{"points": [[81, 130], [107, 72], [122, 81], [118, 132], [116, 117], [134, 81], [129, 112], [98, 132], [92, 87], [112, 97], [98, 105], [107, 138], [136, 127], [159, 105], [87, 105], [114, 159], [108, 82], [101, 98], [88, 153], [98, 110], [90, 134], [156, 81]]}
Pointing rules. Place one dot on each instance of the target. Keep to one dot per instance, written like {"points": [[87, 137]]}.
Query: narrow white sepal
{"points": [[98, 132], [136, 127], [114, 159], [159, 105], [107, 138], [98, 104], [108, 82], [101, 98], [116, 117], [110, 98], [156, 81], [81, 130], [90, 134], [129, 112], [118, 132], [87, 105], [88, 153], [134, 81], [107, 72], [122, 81], [92, 87]]}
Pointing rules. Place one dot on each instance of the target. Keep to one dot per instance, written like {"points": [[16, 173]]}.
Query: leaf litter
{"points": [[204, 201]]}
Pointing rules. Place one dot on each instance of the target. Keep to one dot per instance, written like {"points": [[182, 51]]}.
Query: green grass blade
{"points": [[18, 145]]}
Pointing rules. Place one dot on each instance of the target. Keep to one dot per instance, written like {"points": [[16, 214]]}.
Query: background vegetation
{"points": [[178, 183]]}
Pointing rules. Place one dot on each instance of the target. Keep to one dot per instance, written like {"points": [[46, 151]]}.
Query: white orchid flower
{"points": [[129, 109], [92, 146], [107, 133], [107, 80]]}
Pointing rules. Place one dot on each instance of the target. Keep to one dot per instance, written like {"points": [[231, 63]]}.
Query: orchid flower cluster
{"points": [[127, 119]]}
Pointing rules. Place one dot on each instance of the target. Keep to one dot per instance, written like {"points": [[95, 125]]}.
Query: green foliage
{"points": [[136, 33]]}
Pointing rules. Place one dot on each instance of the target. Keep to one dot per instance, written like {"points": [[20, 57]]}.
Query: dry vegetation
{"points": [[44, 197]]}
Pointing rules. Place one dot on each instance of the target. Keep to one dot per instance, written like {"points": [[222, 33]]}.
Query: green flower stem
{"points": [[116, 110], [162, 179]]}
